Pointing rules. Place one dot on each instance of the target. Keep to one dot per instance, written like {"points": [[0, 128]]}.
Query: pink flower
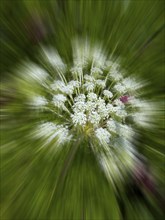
{"points": [[124, 99]]}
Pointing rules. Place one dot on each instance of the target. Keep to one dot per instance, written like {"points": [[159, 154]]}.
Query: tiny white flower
{"points": [[110, 108], [100, 102], [58, 85], [79, 106], [60, 135], [96, 70], [115, 75], [68, 90], [39, 101], [101, 83], [79, 118], [117, 102], [94, 118], [74, 83], [77, 71], [102, 109], [120, 88], [90, 106], [62, 87], [51, 131], [89, 86], [58, 100], [126, 131], [80, 98], [63, 135], [103, 135], [116, 109], [112, 125], [121, 113], [92, 96], [89, 78], [107, 94]]}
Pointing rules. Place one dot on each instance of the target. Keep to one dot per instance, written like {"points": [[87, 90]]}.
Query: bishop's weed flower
{"points": [[90, 100], [82, 110]]}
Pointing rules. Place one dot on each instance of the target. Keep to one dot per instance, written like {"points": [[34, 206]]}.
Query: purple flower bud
{"points": [[124, 99]]}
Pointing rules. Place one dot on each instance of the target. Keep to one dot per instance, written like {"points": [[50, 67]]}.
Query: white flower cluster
{"points": [[38, 101], [65, 89], [127, 85], [52, 131], [103, 135], [92, 97], [91, 102]]}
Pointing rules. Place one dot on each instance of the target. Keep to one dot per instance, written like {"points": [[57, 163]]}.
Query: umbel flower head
{"points": [[90, 99]]}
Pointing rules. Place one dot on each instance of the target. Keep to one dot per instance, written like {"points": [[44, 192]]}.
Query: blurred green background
{"points": [[132, 30]]}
